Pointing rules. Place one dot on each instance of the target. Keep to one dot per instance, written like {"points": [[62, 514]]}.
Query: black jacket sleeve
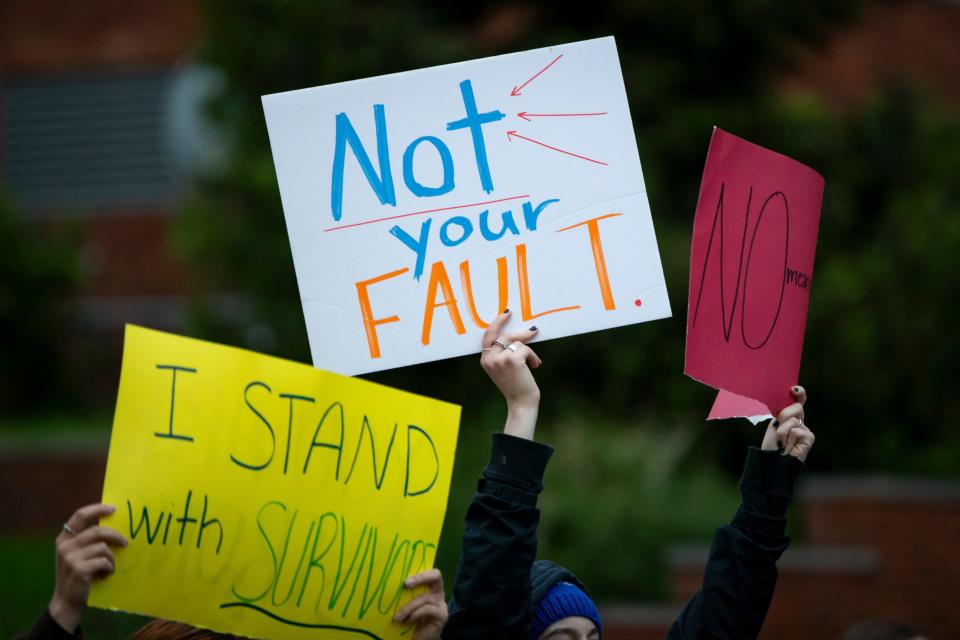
{"points": [[46, 628], [741, 571], [491, 596]]}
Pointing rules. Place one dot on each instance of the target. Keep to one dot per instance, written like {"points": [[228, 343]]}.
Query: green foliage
{"points": [[880, 351], [882, 347], [619, 495], [37, 272]]}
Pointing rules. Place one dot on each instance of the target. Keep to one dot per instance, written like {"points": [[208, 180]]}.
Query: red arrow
{"points": [[511, 134], [526, 116], [516, 90]]}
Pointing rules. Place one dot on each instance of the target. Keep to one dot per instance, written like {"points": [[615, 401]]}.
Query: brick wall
{"points": [[42, 489], [131, 271], [913, 525], [865, 547], [54, 36], [916, 42]]}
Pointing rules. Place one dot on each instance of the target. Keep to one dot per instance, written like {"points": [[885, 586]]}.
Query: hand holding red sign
{"points": [[751, 268]]}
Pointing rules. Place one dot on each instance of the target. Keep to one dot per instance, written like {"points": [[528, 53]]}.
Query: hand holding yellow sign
{"points": [[267, 498]]}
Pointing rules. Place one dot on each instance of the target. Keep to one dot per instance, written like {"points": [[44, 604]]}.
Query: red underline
{"points": [[417, 213]]}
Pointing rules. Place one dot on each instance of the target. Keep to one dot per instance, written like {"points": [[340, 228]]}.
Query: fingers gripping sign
{"points": [[84, 554], [496, 340], [788, 433], [507, 359], [492, 333], [428, 611], [85, 517]]}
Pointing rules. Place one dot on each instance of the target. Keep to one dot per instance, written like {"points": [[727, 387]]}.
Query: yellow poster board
{"points": [[267, 498]]}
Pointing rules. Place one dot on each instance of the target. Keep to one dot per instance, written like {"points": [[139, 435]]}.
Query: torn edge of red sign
{"points": [[730, 405]]}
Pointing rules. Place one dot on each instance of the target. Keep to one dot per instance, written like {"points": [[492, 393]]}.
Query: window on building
{"points": [[97, 141]]}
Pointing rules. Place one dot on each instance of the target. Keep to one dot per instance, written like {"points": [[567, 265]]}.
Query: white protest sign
{"points": [[421, 204]]}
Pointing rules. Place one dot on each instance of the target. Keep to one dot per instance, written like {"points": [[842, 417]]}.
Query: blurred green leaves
{"points": [[39, 269], [618, 493], [880, 345], [635, 463]]}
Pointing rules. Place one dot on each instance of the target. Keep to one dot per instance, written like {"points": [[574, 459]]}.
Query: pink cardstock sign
{"points": [[751, 270], [730, 405]]}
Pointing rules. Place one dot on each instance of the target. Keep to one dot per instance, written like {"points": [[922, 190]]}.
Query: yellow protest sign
{"points": [[267, 498]]}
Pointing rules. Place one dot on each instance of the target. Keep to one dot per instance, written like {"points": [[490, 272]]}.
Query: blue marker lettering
{"points": [[381, 184], [530, 213], [466, 229], [415, 187], [474, 121], [508, 225], [419, 247]]}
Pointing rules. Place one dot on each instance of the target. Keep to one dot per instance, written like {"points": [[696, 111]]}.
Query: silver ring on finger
{"points": [[69, 529], [512, 346], [499, 344]]}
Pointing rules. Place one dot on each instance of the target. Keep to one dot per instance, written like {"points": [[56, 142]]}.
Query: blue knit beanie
{"points": [[563, 600]]}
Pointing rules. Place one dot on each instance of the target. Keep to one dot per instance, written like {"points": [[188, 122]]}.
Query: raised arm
{"points": [[491, 596], [741, 572]]}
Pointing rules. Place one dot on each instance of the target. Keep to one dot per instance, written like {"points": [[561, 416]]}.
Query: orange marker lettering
{"points": [[502, 290], [598, 261], [369, 322], [438, 277], [525, 288]]}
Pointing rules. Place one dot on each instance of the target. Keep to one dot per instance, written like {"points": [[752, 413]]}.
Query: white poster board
{"points": [[420, 204]]}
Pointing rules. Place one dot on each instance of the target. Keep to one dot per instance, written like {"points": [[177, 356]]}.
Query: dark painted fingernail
{"points": [[776, 424], [505, 311], [796, 389], [533, 328]]}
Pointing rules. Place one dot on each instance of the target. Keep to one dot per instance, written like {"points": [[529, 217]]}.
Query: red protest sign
{"points": [[751, 270]]}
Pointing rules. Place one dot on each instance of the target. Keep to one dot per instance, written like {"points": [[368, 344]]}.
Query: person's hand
{"points": [[788, 433], [83, 555], [507, 360], [428, 610]]}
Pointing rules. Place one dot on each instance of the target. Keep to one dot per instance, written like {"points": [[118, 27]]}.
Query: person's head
{"points": [[168, 630], [883, 630], [562, 608]]}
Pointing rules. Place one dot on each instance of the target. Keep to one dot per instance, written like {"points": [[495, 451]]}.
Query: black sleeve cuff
{"points": [[766, 485], [47, 628], [518, 463]]}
